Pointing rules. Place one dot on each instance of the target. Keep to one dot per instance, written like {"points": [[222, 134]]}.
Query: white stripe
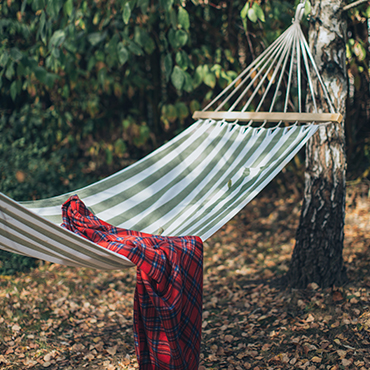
{"points": [[172, 175], [203, 182], [22, 249], [157, 186], [211, 210], [63, 233], [184, 220], [103, 195], [221, 187], [53, 243], [238, 205]]}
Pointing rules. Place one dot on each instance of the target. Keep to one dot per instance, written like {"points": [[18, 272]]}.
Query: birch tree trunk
{"points": [[317, 256]]}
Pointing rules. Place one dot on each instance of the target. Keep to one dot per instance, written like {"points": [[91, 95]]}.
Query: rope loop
{"points": [[299, 12]]}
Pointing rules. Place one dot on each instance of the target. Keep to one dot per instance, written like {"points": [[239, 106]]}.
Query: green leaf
{"points": [[210, 80], [168, 66], [135, 48], [102, 74], [13, 90], [57, 39], [15, 54], [198, 76], [109, 156], [182, 59], [41, 31], [143, 39], [9, 73], [120, 146], [166, 4], [177, 77], [23, 7], [173, 18], [182, 110], [68, 7], [244, 11], [50, 79], [259, 12], [188, 83], [96, 37], [4, 57], [126, 13], [122, 53], [359, 51], [181, 37], [183, 17], [367, 12], [21, 70], [169, 112], [143, 4], [194, 106], [177, 38], [172, 38], [307, 8], [91, 64], [252, 15], [40, 74]]}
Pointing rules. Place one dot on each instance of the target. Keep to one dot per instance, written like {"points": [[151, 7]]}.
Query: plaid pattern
{"points": [[168, 296]]}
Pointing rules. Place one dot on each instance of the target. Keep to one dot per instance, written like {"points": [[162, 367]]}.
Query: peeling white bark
{"points": [[317, 256]]}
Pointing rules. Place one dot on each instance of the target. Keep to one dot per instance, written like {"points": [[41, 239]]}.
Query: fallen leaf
{"points": [[310, 318], [337, 296], [112, 350], [229, 338], [16, 327], [346, 362], [316, 359]]}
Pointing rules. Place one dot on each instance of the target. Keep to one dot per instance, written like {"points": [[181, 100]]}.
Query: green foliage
{"points": [[11, 263], [72, 72]]}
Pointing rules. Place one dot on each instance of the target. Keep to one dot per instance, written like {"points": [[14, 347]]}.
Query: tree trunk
{"points": [[317, 256]]}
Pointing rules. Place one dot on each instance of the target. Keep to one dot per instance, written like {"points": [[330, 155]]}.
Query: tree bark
{"points": [[318, 253]]}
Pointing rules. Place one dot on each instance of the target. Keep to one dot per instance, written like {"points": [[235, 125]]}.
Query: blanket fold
{"points": [[169, 287]]}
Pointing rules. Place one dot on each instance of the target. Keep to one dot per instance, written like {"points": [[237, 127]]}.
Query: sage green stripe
{"points": [[248, 188], [115, 179], [146, 183], [10, 249], [156, 214], [210, 167], [201, 205], [189, 229], [216, 177], [108, 258], [51, 249], [240, 194], [55, 219]]}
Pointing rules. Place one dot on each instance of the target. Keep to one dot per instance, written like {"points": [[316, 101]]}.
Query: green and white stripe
{"points": [[192, 185]]}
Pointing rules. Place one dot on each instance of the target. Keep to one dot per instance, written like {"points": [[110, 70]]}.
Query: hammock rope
{"points": [[240, 102]]}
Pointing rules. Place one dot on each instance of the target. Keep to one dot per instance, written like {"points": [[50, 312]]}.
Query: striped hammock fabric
{"points": [[192, 185]]}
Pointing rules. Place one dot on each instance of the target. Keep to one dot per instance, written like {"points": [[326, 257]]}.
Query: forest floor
{"points": [[66, 318]]}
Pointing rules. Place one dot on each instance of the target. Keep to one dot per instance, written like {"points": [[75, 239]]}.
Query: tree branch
{"points": [[352, 5]]}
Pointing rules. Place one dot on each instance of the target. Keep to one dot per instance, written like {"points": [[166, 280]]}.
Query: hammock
{"points": [[199, 180]]}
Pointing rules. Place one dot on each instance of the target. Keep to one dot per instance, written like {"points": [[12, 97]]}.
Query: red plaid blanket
{"points": [[168, 296]]}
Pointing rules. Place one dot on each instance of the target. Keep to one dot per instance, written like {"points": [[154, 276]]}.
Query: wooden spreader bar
{"points": [[270, 116]]}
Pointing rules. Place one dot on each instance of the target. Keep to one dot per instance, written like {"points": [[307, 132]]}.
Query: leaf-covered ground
{"points": [[64, 318]]}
